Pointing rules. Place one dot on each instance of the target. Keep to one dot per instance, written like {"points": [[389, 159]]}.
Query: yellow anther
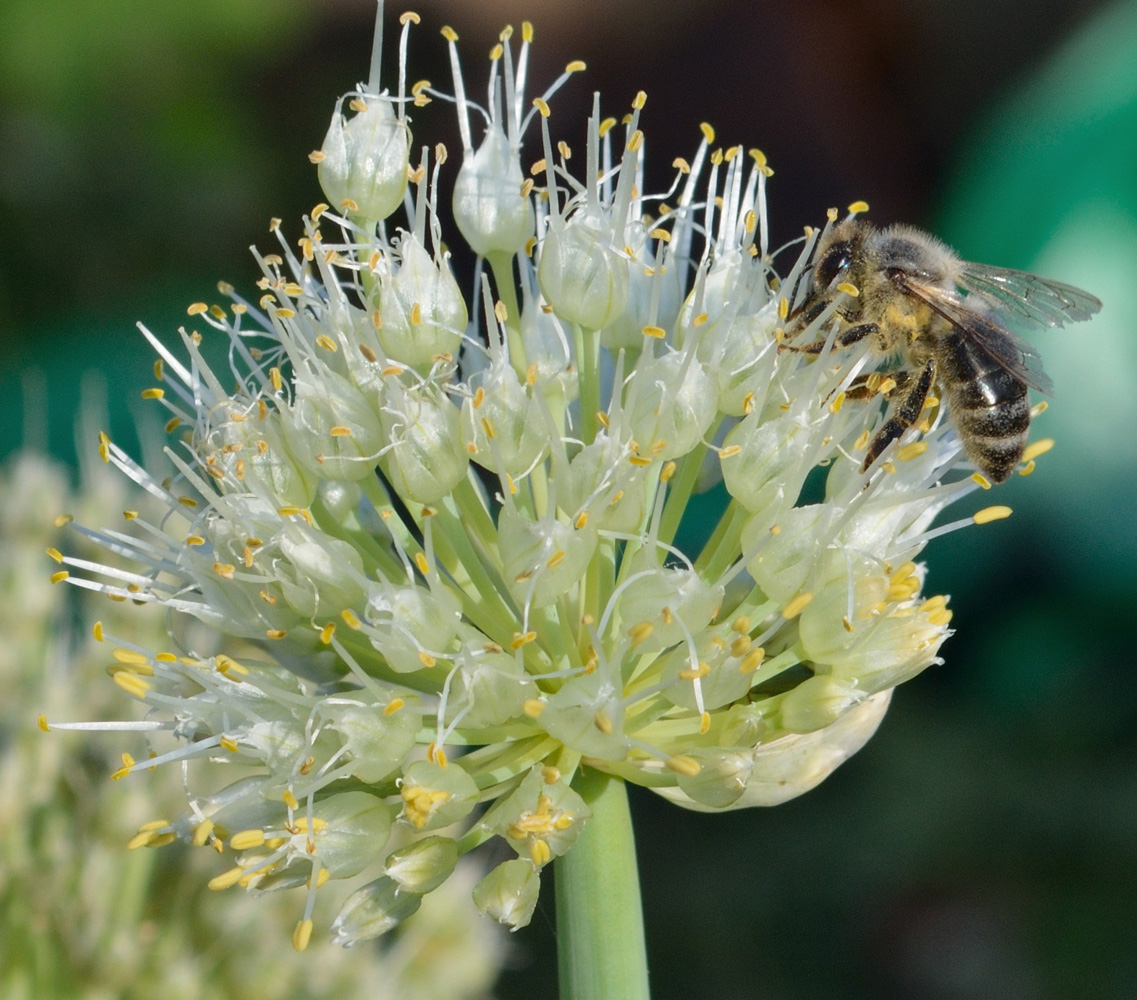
{"points": [[131, 683], [741, 646], [226, 879], [289, 799], [197, 308], [982, 480], [422, 564], [1037, 448], [849, 289], [340, 431], [831, 214], [1027, 469], [409, 16], [694, 674], [230, 744], [522, 639], [911, 451], [202, 833], [602, 418], [639, 633], [393, 706], [576, 66], [551, 774], [857, 207], [533, 707], [351, 619], [97, 631], [224, 570], [682, 764], [635, 141], [902, 573], [729, 451], [449, 33], [327, 632], [837, 402], [1039, 408], [904, 590], [797, 605], [580, 520], [426, 659], [708, 132], [540, 853], [940, 618], [991, 514], [527, 32], [246, 839], [654, 331], [886, 386], [303, 932], [555, 559], [564, 149], [542, 106], [602, 722], [140, 839], [276, 633]]}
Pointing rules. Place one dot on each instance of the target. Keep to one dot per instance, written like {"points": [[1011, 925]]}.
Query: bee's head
{"points": [[837, 254]]}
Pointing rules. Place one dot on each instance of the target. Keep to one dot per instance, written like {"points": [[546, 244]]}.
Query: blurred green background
{"points": [[984, 844]]}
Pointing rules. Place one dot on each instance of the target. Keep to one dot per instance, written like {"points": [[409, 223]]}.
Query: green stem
{"points": [[600, 934]]}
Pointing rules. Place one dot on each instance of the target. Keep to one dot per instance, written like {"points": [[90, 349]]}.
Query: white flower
{"points": [[456, 569]]}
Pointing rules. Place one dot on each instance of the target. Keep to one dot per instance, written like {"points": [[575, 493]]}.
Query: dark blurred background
{"points": [[984, 844]]}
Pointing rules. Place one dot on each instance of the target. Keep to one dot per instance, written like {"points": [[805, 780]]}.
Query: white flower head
{"points": [[445, 527]]}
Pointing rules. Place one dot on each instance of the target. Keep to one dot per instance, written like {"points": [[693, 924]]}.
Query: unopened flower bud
{"points": [[365, 160], [507, 415], [509, 893], [424, 865], [489, 209], [670, 404], [423, 314], [411, 623], [818, 702], [426, 459], [581, 275], [378, 737], [352, 830], [542, 559], [373, 910]]}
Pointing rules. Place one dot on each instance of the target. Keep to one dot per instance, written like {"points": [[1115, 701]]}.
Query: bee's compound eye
{"points": [[836, 261]]}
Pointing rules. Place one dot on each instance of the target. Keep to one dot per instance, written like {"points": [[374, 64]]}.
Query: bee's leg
{"points": [[845, 338], [907, 411], [864, 387]]}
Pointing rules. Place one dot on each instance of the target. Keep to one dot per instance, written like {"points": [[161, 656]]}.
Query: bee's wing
{"points": [[982, 324], [1026, 299]]}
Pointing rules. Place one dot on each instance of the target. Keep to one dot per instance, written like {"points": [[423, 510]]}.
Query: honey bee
{"points": [[937, 322]]}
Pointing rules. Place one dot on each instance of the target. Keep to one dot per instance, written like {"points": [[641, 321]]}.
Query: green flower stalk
{"points": [[441, 528]]}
